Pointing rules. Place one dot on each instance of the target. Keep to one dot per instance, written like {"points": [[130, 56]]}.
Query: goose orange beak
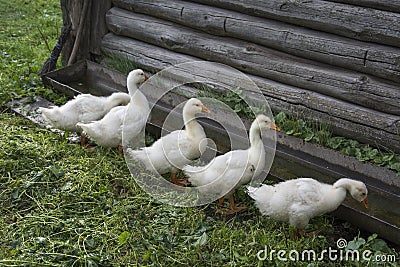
{"points": [[275, 127], [205, 109], [145, 78], [365, 202]]}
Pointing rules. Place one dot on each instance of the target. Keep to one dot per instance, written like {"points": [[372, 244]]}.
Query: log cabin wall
{"points": [[336, 62]]}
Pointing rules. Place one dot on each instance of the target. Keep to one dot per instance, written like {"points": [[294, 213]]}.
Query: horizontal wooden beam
{"points": [[359, 23], [378, 60], [258, 60], [343, 118], [387, 5]]}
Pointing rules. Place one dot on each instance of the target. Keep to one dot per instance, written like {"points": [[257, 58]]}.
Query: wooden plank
{"points": [[154, 62], [347, 85], [98, 27], [84, 44], [378, 60], [388, 5], [206, 18], [71, 13], [70, 16], [359, 23], [344, 118]]}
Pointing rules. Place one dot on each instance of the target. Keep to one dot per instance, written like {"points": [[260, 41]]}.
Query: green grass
{"points": [[67, 206], [28, 32], [320, 134], [119, 63]]}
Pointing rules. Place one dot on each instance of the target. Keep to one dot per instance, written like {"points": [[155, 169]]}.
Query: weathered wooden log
{"points": [[78, 45], [355, 22], [387, 5], [344, 118], [70, 16], [98, 27], [378, 60], [258, 60]]}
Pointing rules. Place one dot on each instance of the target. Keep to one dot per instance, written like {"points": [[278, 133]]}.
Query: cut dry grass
{"points": [[63, 205]]}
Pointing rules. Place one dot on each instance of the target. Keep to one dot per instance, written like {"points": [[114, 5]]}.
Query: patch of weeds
{"points": [[235, 99], [372, 251], [52, 95], [320, 134], [119, 63], [310, 132]]}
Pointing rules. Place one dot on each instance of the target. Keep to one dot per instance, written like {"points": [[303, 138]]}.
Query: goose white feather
{"points": [[229, 171], [297, 201], [223, 174], [178, 148], [108, 131], [83, 108]]}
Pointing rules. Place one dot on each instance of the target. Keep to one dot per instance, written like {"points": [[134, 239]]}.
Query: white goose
{"points": [[178, 148], [236, 166], [107, 132], [83, 108], [297, 201]]}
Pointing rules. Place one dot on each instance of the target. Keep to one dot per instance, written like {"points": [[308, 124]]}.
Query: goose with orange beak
{"points": [[107, 132], [298, 200], [178, 148], [222, 176]]}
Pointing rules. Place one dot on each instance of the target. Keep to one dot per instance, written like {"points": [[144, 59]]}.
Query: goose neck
{"points": [[343, 183], [191, 125], [255, 135], [132, 89], [139, 99], [334, 197]]}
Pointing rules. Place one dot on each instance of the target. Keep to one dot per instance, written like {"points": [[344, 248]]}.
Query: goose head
{"points": [[135, 77], [51, 115], [357, 189], [264, 122], [194, 106], [359, 192]]}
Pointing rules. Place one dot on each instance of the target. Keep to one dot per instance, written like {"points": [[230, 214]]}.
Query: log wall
{"points": [[258, 60], [387, 5], [378, 60], [336, 62], [364, 124], [352, 21]]}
